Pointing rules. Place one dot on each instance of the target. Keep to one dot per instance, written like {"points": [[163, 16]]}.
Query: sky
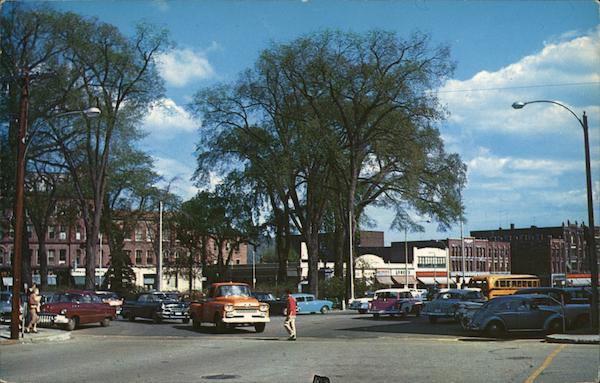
{"points": [[524, 166]]}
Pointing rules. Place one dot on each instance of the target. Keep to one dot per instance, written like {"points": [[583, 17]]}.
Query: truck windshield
{"points": [[237, 290]]}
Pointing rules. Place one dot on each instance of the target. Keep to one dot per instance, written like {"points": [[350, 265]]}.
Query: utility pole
{"points": [[19, 207], [160, 244]]}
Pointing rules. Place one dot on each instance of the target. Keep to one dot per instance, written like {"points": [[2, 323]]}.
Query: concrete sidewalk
{"points": [[43, 335], [579, 336]]}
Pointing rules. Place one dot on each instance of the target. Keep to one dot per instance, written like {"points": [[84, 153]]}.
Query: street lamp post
{"points": [[406, 254], [591, 240], [22, 146]]}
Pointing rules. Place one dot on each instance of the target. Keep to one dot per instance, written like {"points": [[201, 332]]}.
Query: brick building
{"points": [[65, 252], [556, 254]]}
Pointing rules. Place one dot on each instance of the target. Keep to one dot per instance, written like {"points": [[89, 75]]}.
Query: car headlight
{"points": [[63, 312], [264, 307], [229, 307]]}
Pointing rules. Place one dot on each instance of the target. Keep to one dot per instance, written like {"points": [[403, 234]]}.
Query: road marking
{"points": [[546, 363]]}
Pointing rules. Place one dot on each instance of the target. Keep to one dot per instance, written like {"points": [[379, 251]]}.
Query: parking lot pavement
{"points": [[43, 335]]}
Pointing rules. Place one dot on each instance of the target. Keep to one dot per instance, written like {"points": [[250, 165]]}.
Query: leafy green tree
{"points": [[118, 75]]}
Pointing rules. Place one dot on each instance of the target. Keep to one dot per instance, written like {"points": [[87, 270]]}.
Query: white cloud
{"points": [[178, 175], [179, 67], [487, 104], [502, 173], [165, 119]]}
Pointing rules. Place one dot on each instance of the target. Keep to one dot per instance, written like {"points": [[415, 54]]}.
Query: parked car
{"points": [[112, 299], [6, 305], [308, 304], [524, 312], [277, 306], [156, 306], [362, 304], [395, 302], [230, 304], [567, 295], [76, 307], [445, 304]]}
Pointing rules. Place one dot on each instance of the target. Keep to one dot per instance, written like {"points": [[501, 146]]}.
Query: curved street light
{"points": [[22, 145], [591, 229]]}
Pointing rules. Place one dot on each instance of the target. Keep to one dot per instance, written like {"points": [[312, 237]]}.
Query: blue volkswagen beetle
{"points": [[308, 304]]}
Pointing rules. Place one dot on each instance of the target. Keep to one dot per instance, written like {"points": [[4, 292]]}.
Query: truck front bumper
{"points": [[253, 317]]}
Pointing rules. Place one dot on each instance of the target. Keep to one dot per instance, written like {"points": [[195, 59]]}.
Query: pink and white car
{"points": [[396, 302]]}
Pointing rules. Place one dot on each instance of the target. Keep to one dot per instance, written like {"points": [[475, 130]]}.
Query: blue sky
{"points": [[525, 167]]}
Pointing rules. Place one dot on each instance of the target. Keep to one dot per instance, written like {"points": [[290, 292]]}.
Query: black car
{"points": [[566, 295], [156, 306], [277, 306]]}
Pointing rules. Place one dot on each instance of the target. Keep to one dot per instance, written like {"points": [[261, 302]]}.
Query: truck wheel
{"points": [[219, 324], [196, 324], [156, 318], [259, 327], [105, 322]]}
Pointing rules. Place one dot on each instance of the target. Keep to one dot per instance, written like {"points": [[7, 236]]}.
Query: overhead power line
{"points": [[521, 87]]}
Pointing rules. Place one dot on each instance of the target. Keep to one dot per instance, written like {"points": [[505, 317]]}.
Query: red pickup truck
{"points": [[230, 305]]}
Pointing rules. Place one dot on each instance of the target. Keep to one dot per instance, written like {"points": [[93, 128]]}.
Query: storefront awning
{"points": [[385, 280], [430, 281], [401, 279]]}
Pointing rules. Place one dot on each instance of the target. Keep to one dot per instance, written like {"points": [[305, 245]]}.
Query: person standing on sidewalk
{"points": [[290, 319], [34, 302]]}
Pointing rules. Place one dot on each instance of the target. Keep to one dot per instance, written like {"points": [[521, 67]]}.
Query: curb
{"points": [[573, 339], [43, 338]]}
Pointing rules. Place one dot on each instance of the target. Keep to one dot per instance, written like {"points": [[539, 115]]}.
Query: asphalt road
{"points": [[346, 347]]}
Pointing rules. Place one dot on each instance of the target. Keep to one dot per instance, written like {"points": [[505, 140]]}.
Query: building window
{"points": [[29, 231], [1, 256], [138, 257], [128, 254], [149, 234], [62, 256], [51, 234], [78, 233], [50, 257], [149, 257], [63, 232], [79, 257], [138, 234]]}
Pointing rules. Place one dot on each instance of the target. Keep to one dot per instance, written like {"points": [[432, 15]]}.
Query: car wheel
{"points": [[130, 316], [362, 311], [324, 310], [432, 319], [220, 325], [417, 311], [582, 321], [284, 311], [105, 322], [495, 330], [156, 318], [555, 327], [185, 320], [259, 327], [72, 324], [375, 316]]}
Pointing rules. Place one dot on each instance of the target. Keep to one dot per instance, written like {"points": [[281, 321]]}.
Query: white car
{"points": [[361, 304]]}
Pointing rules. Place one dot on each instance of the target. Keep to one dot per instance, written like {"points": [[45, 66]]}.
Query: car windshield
{"points": [[233, 290], [68, 297]]}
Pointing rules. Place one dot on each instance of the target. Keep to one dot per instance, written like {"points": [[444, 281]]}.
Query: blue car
{"points": [[308, 304]]}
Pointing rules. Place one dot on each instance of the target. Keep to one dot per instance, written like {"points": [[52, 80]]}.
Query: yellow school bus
{"points": [[495, 285]]}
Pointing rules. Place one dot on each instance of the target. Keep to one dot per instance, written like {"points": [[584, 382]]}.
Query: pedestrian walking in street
{"points": [[34, 302], [290, 319]]}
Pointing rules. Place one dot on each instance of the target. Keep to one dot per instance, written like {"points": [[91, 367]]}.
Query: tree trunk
{"points": [[312, 244]]}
